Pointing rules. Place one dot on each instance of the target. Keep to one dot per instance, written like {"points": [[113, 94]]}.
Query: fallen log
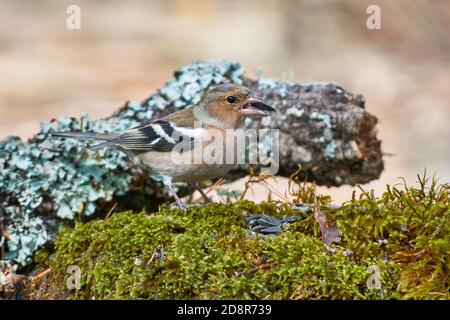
{"points": [[46, 182]]}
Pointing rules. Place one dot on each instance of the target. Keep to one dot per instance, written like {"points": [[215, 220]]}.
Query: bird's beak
{"points": [[256, 107]]}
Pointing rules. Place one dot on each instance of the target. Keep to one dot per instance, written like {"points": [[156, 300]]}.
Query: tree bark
{"points": [[325, 129]]}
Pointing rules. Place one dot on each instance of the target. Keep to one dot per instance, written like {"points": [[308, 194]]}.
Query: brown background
{"points": [[127, 49]]}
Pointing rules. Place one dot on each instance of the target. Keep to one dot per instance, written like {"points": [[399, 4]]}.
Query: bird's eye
{"points": [[231, 99]]}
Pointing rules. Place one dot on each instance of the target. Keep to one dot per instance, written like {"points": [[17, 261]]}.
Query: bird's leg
{"points": [[205, 197], [180, 203]]}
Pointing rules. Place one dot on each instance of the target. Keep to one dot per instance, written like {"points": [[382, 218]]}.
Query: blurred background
{"points": [[127, 49]]}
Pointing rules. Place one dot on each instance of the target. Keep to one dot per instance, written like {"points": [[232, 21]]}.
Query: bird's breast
{"points": [[210, 157]]}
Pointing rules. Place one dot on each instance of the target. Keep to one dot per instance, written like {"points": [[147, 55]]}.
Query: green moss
{"points": [[209, 254]]}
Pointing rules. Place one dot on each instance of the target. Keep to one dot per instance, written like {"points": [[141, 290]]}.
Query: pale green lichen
{"points": [[281, 87], [294, 111], [327, 135]]}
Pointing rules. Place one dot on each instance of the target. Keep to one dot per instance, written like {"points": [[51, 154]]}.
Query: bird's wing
{"points": [[158, 135]]}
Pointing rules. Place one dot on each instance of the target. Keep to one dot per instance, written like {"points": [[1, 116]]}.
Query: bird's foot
{"points": [[180, 205]]}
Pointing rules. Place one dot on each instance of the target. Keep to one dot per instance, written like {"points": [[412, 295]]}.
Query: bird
{"points": [[156, 143]]}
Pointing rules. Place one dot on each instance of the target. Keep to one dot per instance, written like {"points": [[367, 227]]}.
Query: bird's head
{"points": [[231, 103]]}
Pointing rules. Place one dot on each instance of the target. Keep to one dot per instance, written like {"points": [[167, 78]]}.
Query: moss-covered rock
{"points": [[209, 252]]}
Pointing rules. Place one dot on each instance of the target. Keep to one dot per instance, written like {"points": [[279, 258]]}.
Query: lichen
{"points": [[294, 111], [210, 253], [186, 88], [328, 128], [281, 87]]}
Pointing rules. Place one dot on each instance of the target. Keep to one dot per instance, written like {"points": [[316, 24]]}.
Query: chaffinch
{"points": [[155, 143]]}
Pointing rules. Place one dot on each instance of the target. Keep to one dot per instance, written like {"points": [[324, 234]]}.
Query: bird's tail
{"points": [[107, 138]]}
